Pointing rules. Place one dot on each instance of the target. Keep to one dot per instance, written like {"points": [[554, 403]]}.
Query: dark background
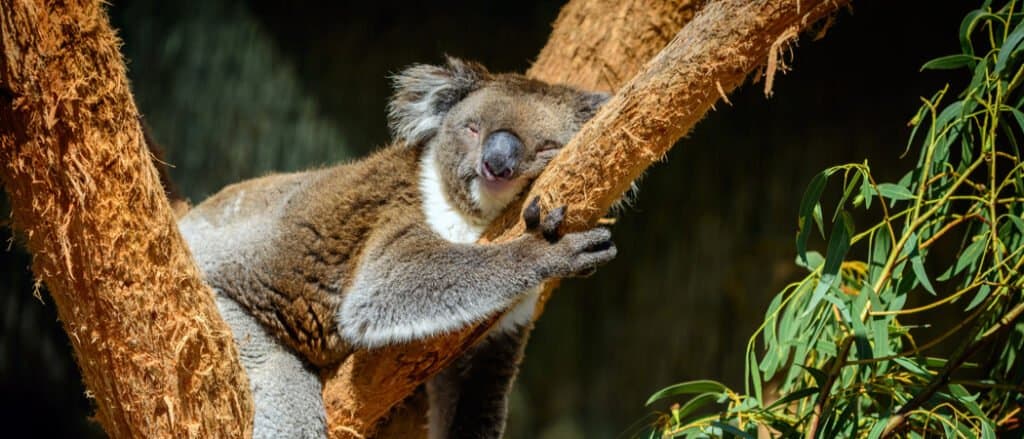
{"points": [[234, 89]]}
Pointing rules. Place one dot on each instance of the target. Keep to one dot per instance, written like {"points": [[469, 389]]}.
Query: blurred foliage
{"points": [[220, 98], [838, 357]]}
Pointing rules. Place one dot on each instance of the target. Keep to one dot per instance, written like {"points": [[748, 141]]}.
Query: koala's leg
{"points": [[412, 284], [469, 399], [286, 392]]}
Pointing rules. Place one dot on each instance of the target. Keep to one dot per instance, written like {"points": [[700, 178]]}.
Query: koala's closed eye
{"points": [[549, 145]]}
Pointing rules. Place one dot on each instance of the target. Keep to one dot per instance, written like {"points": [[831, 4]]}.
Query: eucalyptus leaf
{"points": [[982, 294], [867, 191], [696, 403], [807, 205], [911, 250], [838, 245], [879, 427], [819, 376], [1009, 47], [732, 430], [949, 62], [688, 387], [895, 192], [968, 257], [912, 367], [812, 262]]}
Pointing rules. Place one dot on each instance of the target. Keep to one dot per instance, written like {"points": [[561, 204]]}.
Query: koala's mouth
{"points": [[493, 183]]}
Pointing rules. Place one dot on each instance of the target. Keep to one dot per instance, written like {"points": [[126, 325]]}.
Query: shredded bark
{"points": [[154, 353]]}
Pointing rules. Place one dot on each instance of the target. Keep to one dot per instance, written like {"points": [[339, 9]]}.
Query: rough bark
{"points": [[709, 57], [154, 353], [601, 44]]}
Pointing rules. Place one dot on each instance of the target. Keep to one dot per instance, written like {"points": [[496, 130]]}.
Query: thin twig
{"points": [[822, 404]]}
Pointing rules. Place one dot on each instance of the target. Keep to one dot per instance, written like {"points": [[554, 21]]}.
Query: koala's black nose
{"points": [[501, 154]]}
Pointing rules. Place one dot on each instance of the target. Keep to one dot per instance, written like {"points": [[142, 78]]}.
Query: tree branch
{"points": [[153, 351], [710, 56]]}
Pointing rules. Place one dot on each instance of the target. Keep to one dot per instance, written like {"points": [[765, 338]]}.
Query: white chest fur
{"points": [[442, 217], [453, 226]]}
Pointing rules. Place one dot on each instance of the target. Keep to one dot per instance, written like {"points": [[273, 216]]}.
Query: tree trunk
{"points": [[153, 350], [708, 58]]}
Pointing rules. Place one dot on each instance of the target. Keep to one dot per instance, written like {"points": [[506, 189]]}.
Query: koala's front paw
{"points": [[573, 255]]}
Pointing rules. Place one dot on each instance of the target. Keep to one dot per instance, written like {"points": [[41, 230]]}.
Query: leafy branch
{"points": [[835, 347]]}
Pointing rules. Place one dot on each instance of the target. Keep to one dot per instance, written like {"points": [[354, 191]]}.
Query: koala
{"points": [[309, 267]]}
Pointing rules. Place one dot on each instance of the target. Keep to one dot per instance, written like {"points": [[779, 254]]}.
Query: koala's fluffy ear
{"points": [[588, 104], [424, 93]]}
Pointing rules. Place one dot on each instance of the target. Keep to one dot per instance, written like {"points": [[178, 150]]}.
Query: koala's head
{"points": [[488, 134]]}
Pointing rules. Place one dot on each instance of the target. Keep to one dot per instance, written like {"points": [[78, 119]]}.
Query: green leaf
{"points": [[880, 332], [1009, 47], [688, 387], [846, 420], [987, 431], [794, 396], [733, 430], [838, 245], [771, 320], [1019, 223], [878, 428], [912, 367], [696, 403], [949, 62], [818, 375], [967, 26], [812, 262], [979, 297], [861, 333], [867, 192], [939, 363], [880, 247], [811, 198], [854, 181], [968, 257], [917, 263], [895, 192], [770, 363], [953, 110], [819, 220], [918, 266], [961, 393]]}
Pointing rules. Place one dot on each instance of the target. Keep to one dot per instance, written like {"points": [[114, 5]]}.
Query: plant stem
{"points": [[822, 402]]}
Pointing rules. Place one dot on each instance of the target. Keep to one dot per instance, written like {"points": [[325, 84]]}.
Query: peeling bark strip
{"points": [[153, 350], [710, 56]]}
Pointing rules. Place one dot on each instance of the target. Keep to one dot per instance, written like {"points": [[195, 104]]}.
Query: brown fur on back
{"points": [[323, 218]]}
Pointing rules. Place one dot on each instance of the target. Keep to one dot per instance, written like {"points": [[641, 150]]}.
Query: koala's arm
{"points": [[412, 284]]}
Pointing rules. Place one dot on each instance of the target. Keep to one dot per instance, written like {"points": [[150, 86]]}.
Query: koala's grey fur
{"points": [[310, 266]]}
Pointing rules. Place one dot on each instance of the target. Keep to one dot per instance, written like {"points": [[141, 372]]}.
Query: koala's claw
{"points": [[531, 215], [573, 255], [551, 223]]}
